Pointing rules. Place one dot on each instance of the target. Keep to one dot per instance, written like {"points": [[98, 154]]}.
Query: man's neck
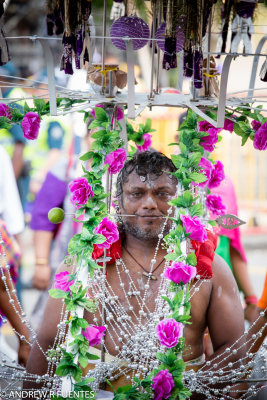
{"points": [[142, 248]]}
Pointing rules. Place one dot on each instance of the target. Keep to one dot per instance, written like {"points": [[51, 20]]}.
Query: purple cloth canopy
{"points": [[129, 27], [51, 194]]}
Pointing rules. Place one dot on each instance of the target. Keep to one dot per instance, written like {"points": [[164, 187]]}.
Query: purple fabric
{"points": [[198, 71], [51, 194], [188, 63]]}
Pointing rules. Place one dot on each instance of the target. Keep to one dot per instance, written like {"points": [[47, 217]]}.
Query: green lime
{"points": [[56, 215]]}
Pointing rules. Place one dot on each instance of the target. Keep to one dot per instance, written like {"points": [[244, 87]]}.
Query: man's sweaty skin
{"points": [[216, 305]]}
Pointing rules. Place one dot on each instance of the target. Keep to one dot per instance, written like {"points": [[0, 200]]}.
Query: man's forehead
{"points": [[164, 179]]}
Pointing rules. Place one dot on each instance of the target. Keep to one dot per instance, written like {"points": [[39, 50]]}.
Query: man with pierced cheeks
{"points": [[144, 188]]}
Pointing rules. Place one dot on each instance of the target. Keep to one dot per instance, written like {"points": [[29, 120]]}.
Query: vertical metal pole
{"points": [[158, 55], [104, 44], [130, 78], [207, 81], [151, 94]]}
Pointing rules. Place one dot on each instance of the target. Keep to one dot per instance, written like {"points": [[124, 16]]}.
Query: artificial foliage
{"points": [[72, 358]]}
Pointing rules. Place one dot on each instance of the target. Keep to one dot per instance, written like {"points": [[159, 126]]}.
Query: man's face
{"points": [[146, 200]]}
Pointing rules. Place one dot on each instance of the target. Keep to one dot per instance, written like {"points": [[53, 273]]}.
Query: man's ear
{"points": [[120, 205]]}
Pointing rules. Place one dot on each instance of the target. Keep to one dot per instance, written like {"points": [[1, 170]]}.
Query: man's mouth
{"points": [[150, 216]]}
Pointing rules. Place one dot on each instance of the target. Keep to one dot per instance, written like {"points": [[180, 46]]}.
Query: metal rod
{"points": [[158, 55], [104, 44], [151, 94], [207, 81]]}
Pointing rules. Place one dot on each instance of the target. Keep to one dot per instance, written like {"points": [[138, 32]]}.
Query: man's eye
{"points": [[136, 194], [163, 194]]}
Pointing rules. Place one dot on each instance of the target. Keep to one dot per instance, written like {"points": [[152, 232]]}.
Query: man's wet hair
{"points": [[148, 163]]}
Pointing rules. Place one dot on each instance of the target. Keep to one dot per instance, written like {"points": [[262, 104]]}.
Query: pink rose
{"points": [[94, 334], [147, 142], [93, 110], [206, 168], [204, 126], [162, 385], [109, 230], [5, 111], [255, 125], [169, 331], [81, 190], [116, 160], [208, 142], [30, 125], [215, 204], [217, 175], [63, 282], [260, 138], [180, 271], [120, 115], [194, 227], [229, 125]]}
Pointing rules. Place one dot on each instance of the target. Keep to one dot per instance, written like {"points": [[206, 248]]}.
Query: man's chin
{"points": [[148, 232]]}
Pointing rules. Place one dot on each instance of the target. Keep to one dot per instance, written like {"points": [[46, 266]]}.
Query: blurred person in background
{"points": [[50, 240], [11, 225]]}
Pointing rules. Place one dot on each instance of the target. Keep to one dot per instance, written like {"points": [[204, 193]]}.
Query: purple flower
{"points": [[206, 168], [81, 190], [255, 125], [93, 110], [5, 111], [30, 125], [180, 271], [208, 142], [260, 138], [109, 230], [63, 282], [169, 331], [217, 175], [147, 142], [120, 115], [116, 160], [204, 126], [228, 125], [94, 334], [194, 227], [215, 204], [162, 385]]}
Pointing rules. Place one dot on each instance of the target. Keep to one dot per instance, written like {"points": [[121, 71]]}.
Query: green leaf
{"points": [[92, 356], [86, 234], [98, 239], [26, 108], [197, 177], [87, 156], [196, 210], [147, 127], [191, 259], [100, 114], [244, 139], [188, 198], [83, 360], [39, 105], [194, 159], [57, 293], [99, 134], [5, 123], [183, 148]]}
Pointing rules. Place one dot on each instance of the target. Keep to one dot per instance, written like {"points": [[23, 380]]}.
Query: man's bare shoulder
{"points": [[222, 274]]}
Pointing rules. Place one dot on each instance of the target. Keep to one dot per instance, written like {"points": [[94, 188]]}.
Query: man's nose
{"points": [[149, 202]]}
